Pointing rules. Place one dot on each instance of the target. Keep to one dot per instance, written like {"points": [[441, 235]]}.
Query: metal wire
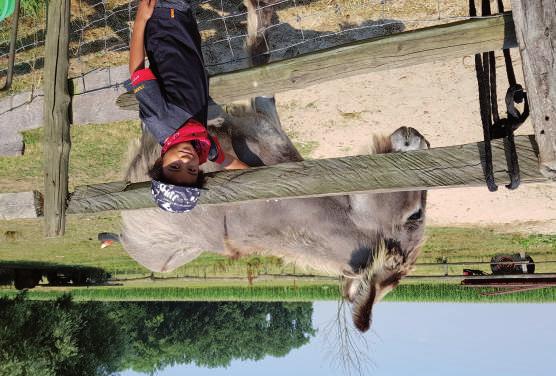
{"points": [[100, 30]]}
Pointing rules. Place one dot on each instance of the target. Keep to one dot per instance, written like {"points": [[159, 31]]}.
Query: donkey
{"points": [[370, 240]]}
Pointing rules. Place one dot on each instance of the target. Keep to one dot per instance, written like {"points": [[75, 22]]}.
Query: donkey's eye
{"points": [[416, 216]]}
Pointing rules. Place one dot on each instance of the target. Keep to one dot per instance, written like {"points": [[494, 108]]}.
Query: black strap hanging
{"points": [[493, 126]]}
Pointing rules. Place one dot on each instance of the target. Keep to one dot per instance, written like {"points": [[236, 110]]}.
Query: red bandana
{"points": [[192, 130]]}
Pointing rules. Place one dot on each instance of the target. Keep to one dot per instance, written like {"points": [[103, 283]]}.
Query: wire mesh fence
{"points": [[29, 48], [100, 31]]}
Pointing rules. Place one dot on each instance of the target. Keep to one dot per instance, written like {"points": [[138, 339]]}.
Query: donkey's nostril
{"points": [[407, 143]]}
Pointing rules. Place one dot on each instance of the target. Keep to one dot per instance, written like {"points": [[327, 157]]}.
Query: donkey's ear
{"points": [[350, 283], [348, 274], [407, 139]]}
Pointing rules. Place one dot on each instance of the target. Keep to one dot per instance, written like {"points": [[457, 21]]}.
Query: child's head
{"points": [[179, 165], [177, 178]]}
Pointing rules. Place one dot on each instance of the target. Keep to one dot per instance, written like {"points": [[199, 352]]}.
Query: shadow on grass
{"points": [[28, 274]]}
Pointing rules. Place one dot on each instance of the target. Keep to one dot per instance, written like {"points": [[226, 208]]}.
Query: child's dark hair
{"points": [[156, 172]]}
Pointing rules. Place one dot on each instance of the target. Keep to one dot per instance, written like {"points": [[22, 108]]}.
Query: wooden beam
{"points": [[501, 277], [535, 27], [57, 142], [454, 166], [393, 51]]}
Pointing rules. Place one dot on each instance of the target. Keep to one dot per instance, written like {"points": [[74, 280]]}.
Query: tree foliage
{"points": [[92, 338], [57, 338], [213, 334]]}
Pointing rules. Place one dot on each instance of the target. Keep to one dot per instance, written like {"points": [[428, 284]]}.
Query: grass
{"points": [[80, 247], [357, 115], [305, 148], [213, 293], [97, 155], [414, 292], [455, 244]]}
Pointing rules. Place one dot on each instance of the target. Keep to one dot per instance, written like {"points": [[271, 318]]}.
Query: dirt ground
{"points": [[338, 118]]}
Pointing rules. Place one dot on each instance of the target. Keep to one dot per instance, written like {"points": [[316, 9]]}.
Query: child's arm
{"points": [[137, 45]]}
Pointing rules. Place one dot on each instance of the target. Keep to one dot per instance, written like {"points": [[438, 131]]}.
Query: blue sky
{"points": [[422, 339]]}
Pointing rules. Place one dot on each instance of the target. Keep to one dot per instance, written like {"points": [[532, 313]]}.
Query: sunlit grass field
{"points": [[98, 153], [298, 291], [80, 247]]}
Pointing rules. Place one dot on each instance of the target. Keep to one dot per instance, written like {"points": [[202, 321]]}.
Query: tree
{"points": [[57, 338], [63, 337], [212, 334]]}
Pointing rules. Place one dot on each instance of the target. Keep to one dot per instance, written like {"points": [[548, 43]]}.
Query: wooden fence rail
{"points": [[501, 277], [398, 50], [453, 166]]}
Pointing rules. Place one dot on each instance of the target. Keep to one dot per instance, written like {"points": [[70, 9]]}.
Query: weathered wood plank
{"points": [[57, 142], [502, 278], [535, 26], [394, 51], [453, 166], [20, 205]]}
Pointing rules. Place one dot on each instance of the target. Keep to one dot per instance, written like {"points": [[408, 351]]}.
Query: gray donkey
{"points": [[371, 240]]}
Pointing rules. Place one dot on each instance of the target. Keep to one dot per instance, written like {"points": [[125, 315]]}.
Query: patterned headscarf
{"points": [[174, 198]]}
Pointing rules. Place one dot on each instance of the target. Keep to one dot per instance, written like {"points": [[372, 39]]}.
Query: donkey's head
{"points": [[397, 219]]}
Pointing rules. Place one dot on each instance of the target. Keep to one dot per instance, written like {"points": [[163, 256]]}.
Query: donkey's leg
{"points": [[258, 21]]}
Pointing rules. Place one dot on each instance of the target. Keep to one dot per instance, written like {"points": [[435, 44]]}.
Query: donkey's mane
{"points": [[363, 303], [381, 145]]}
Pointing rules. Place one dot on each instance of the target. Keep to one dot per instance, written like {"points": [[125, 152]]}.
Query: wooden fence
{"points": [[536, 32], [435, 168], [57, 141], [417, 170], [95, 90]]}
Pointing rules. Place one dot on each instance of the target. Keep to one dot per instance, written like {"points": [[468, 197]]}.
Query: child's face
{"points": [[180, 164]]}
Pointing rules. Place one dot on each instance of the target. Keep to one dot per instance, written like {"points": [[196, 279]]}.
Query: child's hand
{"points": [[145, 10]]}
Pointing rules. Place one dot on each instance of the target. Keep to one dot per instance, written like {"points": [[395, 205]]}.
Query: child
{"points": [[173, 100]]}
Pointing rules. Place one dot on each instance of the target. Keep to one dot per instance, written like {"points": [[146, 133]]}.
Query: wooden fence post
{"points": [[57, 142], [536, 34]]}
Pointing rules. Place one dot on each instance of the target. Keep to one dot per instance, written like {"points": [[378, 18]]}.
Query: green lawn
{"points": [[97, 155], [279, 291], [80, 247]]}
